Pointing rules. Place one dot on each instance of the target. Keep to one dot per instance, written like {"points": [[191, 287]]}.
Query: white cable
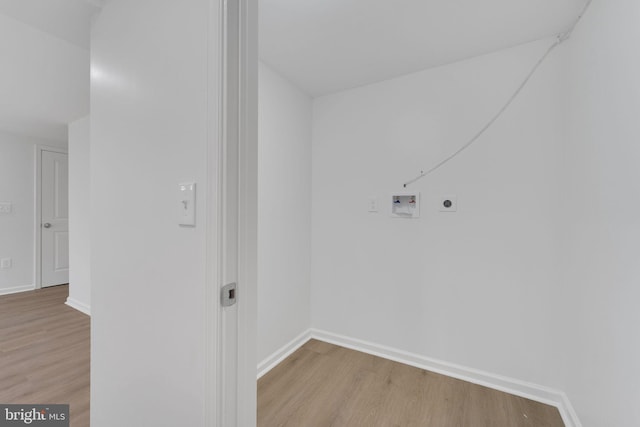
{"points": [[559, 40]]}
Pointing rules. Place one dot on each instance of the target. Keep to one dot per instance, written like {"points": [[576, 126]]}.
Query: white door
{"points": [[54, 207]]}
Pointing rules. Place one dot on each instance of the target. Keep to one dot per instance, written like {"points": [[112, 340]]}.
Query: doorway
{"points": [[52, 217]]}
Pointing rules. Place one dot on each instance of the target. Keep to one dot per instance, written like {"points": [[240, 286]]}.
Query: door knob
{"points": [[46, 225]]}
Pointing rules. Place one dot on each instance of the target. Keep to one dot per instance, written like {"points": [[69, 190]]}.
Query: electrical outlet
{"points": [[449, 204], [5, 263], [6, 207], [373, 204]]}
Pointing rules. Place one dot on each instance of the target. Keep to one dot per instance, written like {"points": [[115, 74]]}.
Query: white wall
{"points": [[149, 132], [44, 80], [17, 185], [17, 229], [284, 206], [79, 216], [603, 216], [476, 287]]}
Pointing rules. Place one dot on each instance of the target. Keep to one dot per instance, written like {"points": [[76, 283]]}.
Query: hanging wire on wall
{"points": [[559, 39]]}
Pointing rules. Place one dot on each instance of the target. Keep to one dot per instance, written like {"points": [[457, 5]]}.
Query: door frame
{"points": [[234, 37], [248, 213], [37, 226]]}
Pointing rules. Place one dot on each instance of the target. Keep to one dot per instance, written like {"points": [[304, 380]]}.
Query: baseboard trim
{"points": [[568, 412], [272, 361], [513, 386], [17, 289], [81, 307]]}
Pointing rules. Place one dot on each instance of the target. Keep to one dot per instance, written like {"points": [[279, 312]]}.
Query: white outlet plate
{"points": [[6, 207], [5, 263], [373, 204], [448, 204]]}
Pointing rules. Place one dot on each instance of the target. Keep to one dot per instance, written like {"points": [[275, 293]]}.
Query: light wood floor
{"points": [[324, 385], [44, 352]]}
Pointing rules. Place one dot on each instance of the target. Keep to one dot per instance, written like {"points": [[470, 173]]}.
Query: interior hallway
{"points": [[44, 352]]}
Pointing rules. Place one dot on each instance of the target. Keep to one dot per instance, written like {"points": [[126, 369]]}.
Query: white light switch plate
{"points": [[5, 263], [187, 204]]}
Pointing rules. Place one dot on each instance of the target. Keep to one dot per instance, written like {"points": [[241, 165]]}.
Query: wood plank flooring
{"points": [[323, 385], [44, 358], [44, 352]]}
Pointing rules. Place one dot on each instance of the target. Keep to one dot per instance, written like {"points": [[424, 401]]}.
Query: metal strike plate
{"points": [[229, 295]]}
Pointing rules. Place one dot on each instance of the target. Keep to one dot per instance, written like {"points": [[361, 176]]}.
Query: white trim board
{"points": [[81, 307], [17, 289], [513, 386], [272, 361]]}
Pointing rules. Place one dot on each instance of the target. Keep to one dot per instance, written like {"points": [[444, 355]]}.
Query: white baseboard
{"points": [[272, 361], [513, 386], [17, 289], [568, 412], [81, 307]]}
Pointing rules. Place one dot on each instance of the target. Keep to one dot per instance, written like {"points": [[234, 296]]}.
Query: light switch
{"points": [[187, 204], [6, 207]]}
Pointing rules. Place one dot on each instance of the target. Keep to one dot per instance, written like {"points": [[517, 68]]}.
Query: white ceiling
{"points": [[324, 46], [69, 20], [44, 78]]}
